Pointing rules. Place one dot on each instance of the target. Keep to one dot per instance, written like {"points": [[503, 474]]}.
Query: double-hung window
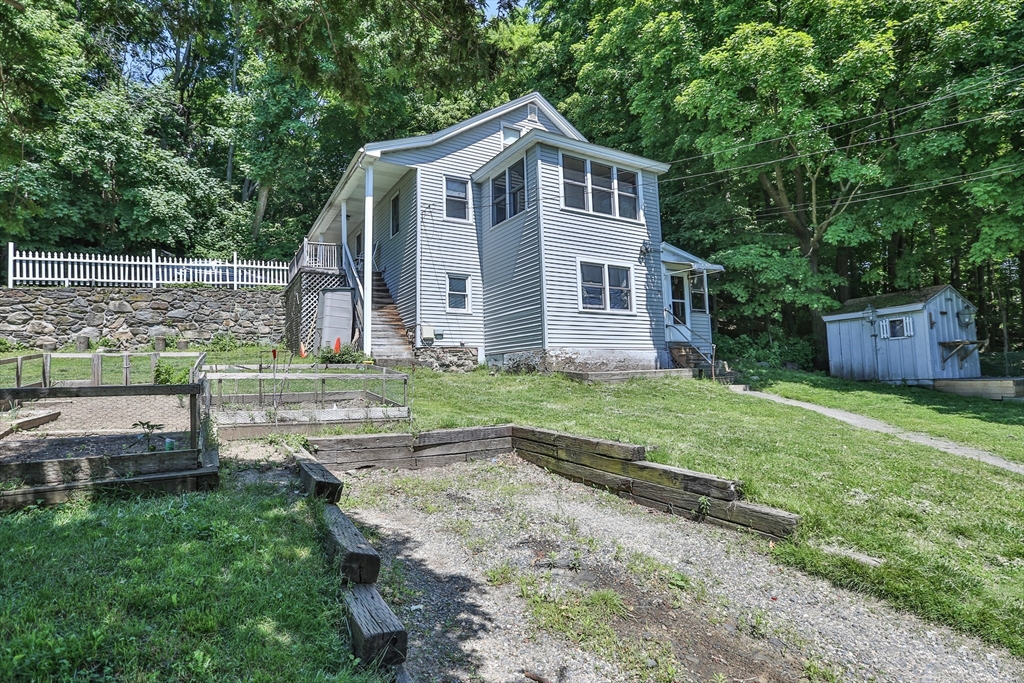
{"points": [[508, 192], [458, 293], [698, 293], [456, 199], [605, 287], [600, 188], [395, 223]]}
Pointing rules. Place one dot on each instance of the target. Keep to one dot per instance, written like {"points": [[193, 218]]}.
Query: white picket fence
{"points": [[66, 270]]}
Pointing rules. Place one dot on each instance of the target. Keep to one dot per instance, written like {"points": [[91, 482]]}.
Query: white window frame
{"points": [[580, 260], [469, 198], [468, 310], [908, 327], [490, 191], [532, 113], [588, 191], [395, 217], [508, 126]]}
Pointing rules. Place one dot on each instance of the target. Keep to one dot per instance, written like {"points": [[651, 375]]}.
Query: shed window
{"points": [[458, 292], [605, 287], [395, 224], [456, 199], [600, 188], [897, 328], [508, 192]]}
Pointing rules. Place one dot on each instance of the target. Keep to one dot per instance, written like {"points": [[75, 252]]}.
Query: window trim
{"points": [[509, 126], [490, 191], [589, 189], [468, 310], [532, 112], [469, 197], [395, 218], [580, 260], [886, 329], [706, 310]]}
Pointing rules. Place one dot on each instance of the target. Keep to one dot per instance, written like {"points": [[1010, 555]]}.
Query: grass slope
{"points": [[951, 530], [995, 426], [217, 586]]}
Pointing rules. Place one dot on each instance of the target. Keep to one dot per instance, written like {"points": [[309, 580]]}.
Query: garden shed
{"points": [[912, 337]]}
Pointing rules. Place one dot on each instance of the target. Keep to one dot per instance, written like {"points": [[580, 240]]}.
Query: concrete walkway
{"points": [[874, 425]]}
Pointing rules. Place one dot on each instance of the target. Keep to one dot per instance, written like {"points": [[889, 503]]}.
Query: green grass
{"points": [[996, 426], [951, 530], [218, 586]]}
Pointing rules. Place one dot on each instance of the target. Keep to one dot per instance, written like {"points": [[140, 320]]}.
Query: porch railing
{"points": [[321, 255]]}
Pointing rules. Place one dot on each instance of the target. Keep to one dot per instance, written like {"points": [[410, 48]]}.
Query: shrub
{"points": [[347, 354], [222, 341], [165, 373], [6, 345], [770, 347]]}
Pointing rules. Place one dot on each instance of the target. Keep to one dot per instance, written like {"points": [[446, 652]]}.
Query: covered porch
{"points": [[688, 332]]}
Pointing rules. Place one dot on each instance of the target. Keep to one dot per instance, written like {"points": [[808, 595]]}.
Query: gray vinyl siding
{"points": [[511, 271], [397, 257], [700, 326], [452, 246], [570, 234]]}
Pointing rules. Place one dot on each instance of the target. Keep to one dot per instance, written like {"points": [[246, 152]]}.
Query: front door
{"points": [[677, 314]]}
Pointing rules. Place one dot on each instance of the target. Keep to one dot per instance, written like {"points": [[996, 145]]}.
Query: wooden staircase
{"points": [[686, 355], [390, 341]]}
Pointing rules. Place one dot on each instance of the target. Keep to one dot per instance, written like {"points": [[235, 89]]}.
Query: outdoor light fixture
{"points": [[965, 317], [870, 314], [645, 249]]}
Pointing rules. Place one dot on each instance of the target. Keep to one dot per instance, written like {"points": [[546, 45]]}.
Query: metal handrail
{"points": [[694, 333], [357, 286]]}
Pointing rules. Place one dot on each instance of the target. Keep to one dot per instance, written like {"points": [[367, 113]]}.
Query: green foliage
{"points": [[222, 341], [771, 347], [7, 346], [347, 354], [166, 373]]}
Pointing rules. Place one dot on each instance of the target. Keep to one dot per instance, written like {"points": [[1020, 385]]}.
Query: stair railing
{"points": [[352, 275], [676, 322]]}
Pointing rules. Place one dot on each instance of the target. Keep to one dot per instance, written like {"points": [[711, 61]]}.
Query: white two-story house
{"points": [[507, 236]]}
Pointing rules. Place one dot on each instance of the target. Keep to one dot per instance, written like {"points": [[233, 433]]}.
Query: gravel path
{"points": [[874, 425], [444, 532]]}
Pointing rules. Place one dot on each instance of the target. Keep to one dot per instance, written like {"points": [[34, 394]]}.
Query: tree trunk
{"points": [[261, 208], [234, 89], [843, 258], [1020, 275]]}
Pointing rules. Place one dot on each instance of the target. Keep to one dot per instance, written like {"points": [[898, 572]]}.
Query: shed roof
{"points": [[891, 300]]}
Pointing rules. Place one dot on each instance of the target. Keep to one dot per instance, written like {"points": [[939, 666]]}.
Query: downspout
{"points": [[543, 270]]}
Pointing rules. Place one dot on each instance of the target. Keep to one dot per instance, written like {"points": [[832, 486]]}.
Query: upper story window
{"points": [[600, 188], [456, 199], [395, 224], [509, 135], [508, 192], [605, 287], [531, 112]]}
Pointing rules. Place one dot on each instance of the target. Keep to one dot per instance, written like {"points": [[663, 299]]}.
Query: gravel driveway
{"points": [[490, 564]]}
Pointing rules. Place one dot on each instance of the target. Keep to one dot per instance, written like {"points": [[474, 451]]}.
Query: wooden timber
{"points": [[27, 423], [359, 562], [68, 470], [317, 481], [619, 376], [286, 397], [441, 436], [378, 637], [995, 388], [656, 473], [31, 393], [611, 449], [171, 482]]}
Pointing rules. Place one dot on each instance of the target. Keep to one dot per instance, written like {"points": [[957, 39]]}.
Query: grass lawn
{"points": [[996, 426], [228, 585], [951, 530]]}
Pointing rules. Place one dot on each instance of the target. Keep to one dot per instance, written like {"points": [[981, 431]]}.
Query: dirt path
{"points": [[494, 566], [874, 425]]}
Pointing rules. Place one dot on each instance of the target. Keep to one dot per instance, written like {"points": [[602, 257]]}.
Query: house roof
{"points": [[582, 147], [562, 123], [670, 254], [891, 300]]}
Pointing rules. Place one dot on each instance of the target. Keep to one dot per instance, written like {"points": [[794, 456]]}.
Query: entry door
{"points": [[677, 312]]}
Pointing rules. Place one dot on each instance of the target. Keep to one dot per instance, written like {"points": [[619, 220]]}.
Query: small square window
{"points": [[458, 293], [897, 328], [395, 216]]}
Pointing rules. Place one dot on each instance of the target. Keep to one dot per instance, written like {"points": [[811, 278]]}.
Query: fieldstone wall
{"points": [[37, 316], [447, 358]]}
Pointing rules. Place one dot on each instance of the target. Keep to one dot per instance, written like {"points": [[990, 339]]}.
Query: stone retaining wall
{"points": [[37, 316]]}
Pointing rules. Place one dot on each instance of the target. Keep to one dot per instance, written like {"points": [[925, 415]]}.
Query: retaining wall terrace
{"points": [[37, 316]]}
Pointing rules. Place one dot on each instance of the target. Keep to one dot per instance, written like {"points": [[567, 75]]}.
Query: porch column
{"points": [[368, 263], [344, 227]]}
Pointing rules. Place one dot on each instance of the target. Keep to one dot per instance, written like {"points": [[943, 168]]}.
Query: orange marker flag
{"points": [[337, 344]]}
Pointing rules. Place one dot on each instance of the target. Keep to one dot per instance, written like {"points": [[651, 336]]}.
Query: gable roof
{"points": [[562, 123], [892, 300], [582, 147]]}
